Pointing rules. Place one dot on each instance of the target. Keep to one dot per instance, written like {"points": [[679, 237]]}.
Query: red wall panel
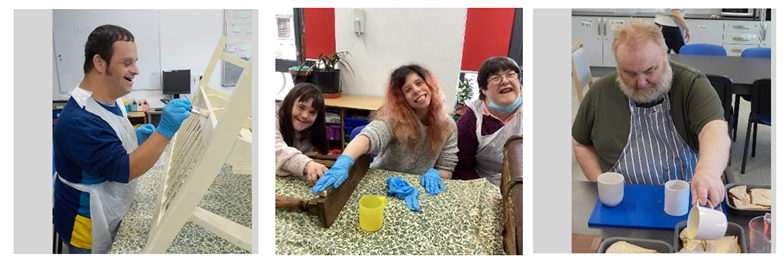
{"points": [[319, 31], [487, 34]]}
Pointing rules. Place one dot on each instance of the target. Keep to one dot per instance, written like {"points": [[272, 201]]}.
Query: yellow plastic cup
{"points": [[371, 212]]}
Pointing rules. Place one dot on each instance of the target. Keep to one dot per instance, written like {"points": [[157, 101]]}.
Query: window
{"points": [[287, 47], [288, 44]]}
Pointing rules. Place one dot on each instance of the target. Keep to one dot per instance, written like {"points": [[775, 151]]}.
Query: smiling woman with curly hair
{"points": [[412, 133]]}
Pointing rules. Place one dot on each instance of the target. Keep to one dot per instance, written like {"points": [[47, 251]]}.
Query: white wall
{"points": [[188, 38], [432, 38]]}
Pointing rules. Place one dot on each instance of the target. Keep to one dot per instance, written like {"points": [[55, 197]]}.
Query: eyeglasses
{"points": [[496, 79]]}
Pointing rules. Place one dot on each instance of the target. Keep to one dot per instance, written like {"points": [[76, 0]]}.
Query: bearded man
{"points": [[653, 120]]}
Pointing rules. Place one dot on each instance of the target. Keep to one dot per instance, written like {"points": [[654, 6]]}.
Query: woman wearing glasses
{"points": [[489, 121], [412, 133]]}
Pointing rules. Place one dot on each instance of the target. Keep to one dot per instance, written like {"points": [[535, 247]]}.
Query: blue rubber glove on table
{"points": [[401, 189], [172, 116], [144, 132], [335, 175], [431, 180]]}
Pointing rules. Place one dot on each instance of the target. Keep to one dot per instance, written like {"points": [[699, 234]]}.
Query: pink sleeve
{"points": [[288, 160]]}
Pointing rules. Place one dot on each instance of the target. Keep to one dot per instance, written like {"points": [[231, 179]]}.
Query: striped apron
{"points": [[655, 152]]}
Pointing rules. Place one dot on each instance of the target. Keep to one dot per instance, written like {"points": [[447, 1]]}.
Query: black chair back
{"points": [[760, 97], [723, 86]]}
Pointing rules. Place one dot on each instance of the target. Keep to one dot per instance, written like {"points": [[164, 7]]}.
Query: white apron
{"points": [[655, 153], [109, 201], [490, 152]]}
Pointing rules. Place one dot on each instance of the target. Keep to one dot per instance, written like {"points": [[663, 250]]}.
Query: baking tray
{"points": [[733, 229], [658, 245], [744, 212]]}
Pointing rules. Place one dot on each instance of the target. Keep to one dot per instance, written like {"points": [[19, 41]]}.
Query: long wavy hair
{"points": [[403, 119], [317, 133]]}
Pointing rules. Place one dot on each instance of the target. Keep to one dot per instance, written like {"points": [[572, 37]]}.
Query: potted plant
{"points": [[326, 75], [301, 73], [464, 92]]}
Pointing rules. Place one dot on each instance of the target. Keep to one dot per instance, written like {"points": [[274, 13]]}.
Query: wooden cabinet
{"points": [[349, 107]]}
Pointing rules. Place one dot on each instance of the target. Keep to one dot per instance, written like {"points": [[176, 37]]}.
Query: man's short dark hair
{"points": [[492, 66], [100, 42]]}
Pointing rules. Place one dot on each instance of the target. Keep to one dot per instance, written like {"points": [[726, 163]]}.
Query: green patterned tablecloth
{"points": [[230, 196], [466, 220]]}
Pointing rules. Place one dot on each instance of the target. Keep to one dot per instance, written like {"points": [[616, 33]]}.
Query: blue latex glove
{"points": [[144, 132], [172, 116], [431, 180], [335, 175], [401, 189]]}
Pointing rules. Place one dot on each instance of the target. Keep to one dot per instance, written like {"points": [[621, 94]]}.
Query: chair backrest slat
{"points": [[760, 97]]}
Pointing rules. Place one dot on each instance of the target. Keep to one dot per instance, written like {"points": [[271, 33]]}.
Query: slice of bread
{"points": [[727, 244], [740, 193], [748, 206], [626, 247], [760, 197]]}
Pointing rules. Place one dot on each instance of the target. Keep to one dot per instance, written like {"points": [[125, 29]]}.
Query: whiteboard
{"points": [[72, 27]]}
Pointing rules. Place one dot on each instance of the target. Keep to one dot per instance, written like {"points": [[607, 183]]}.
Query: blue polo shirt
{"points": [[87, 151]]}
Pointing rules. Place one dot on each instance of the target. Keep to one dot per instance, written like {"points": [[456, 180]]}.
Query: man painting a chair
{"points": [[653, 120]]}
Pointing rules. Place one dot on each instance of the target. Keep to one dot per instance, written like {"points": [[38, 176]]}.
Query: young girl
{"points": [[299, 127], [424, 138]]}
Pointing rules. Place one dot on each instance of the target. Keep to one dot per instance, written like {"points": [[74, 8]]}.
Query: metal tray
{"points": [[658, 245], [733, 229], [731, 204]]}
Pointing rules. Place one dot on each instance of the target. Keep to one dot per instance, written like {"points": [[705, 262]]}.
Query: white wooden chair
{"points": [[581, 71], [198, 152]]}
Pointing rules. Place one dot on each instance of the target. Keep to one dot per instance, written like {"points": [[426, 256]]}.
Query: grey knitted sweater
{"points": [[392, 155]]}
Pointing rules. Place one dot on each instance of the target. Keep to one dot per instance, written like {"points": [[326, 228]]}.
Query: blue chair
{"points": [[356, 132], [760, 113], [703, 49], [761, 52]]}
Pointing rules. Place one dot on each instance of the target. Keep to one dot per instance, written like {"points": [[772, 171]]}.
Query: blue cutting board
{"points": [[642, 207]]}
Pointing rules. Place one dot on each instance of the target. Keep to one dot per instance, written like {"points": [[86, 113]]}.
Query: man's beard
{"points": [[652, 92]]}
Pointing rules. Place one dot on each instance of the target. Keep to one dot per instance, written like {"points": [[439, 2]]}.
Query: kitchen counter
{"points": [[465, 220], [651, 15], [229, 196]]}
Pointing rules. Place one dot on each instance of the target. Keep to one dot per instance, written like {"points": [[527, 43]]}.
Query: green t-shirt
{"points": [[603, 120]]}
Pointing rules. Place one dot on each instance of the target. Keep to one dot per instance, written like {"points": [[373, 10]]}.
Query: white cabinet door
{"points": [[734, 49], [705, 31], [588, 30], [765, 34], [612, 24], [742, 26]]}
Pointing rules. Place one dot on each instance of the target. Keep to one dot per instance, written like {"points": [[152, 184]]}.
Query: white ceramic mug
{"points": [[610, 188], [676, 197], [706, 223]]}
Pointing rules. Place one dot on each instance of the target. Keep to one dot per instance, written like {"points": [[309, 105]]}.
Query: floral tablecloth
{"points": [[465, 220]]}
